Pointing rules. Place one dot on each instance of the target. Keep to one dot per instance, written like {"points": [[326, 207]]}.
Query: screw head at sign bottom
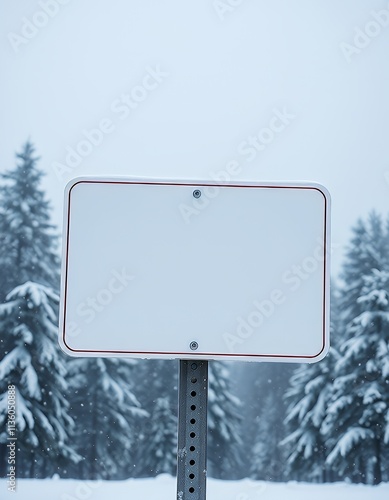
{"points": [[194, 345]]}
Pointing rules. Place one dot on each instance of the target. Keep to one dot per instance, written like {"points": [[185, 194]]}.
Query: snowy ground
{"points": [[164, 488]]}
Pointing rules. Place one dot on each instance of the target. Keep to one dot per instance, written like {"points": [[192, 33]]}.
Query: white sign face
{"points": [[187, 270]]}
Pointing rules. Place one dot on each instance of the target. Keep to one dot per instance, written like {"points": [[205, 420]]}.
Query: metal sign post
{"points": [[192, 430]]}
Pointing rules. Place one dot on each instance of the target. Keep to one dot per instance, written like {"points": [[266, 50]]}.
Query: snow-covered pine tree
{"points": [[268, 457], [28, 250], [358, 416], [261, 387], [104, 409], [224, 424], [309, 394], [154, 379], [31, 363], [160, 377], [368, 250], [160, 454]]}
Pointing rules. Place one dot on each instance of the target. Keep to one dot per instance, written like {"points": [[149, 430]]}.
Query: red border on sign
{"points": [[200, 354]]}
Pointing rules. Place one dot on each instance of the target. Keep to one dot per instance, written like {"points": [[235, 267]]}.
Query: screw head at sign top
{"points": [[194, 345], [197, 193]]}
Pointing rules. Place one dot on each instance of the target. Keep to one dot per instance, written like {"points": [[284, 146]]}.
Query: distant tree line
{"points": [[92, 418]]}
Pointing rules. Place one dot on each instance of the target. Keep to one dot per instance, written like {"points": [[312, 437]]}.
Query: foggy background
{"points": [[228, 68]]}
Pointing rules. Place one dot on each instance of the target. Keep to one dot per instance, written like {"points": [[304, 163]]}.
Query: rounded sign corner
{"points": [[65, 347], [321, 355], [322, 190], [73, 183]]}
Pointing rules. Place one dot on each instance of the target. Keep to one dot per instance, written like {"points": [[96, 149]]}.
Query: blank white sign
{"points": [[187, 270]]}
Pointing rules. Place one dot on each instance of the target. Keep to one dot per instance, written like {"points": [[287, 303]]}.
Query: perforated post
{"points": [[192, 430]]}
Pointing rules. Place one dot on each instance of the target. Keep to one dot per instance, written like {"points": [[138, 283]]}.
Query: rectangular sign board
{"points": [[169, 269]]}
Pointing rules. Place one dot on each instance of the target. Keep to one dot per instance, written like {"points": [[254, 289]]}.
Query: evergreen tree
{"points": [[27, 241], [31, 363], [368, 250], [323, 443], [261, 388], [267, 460], [359, 413], [160, 376], [310, 391], [267, 457], [160, 454], [154, 380], [27, 253], [224, 420], [105, 409]]}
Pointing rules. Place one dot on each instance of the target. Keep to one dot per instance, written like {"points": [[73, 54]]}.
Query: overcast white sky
{"points": [[225, 72]]}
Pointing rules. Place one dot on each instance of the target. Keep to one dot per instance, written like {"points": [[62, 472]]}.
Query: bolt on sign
{"points": [[186, 270]]}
